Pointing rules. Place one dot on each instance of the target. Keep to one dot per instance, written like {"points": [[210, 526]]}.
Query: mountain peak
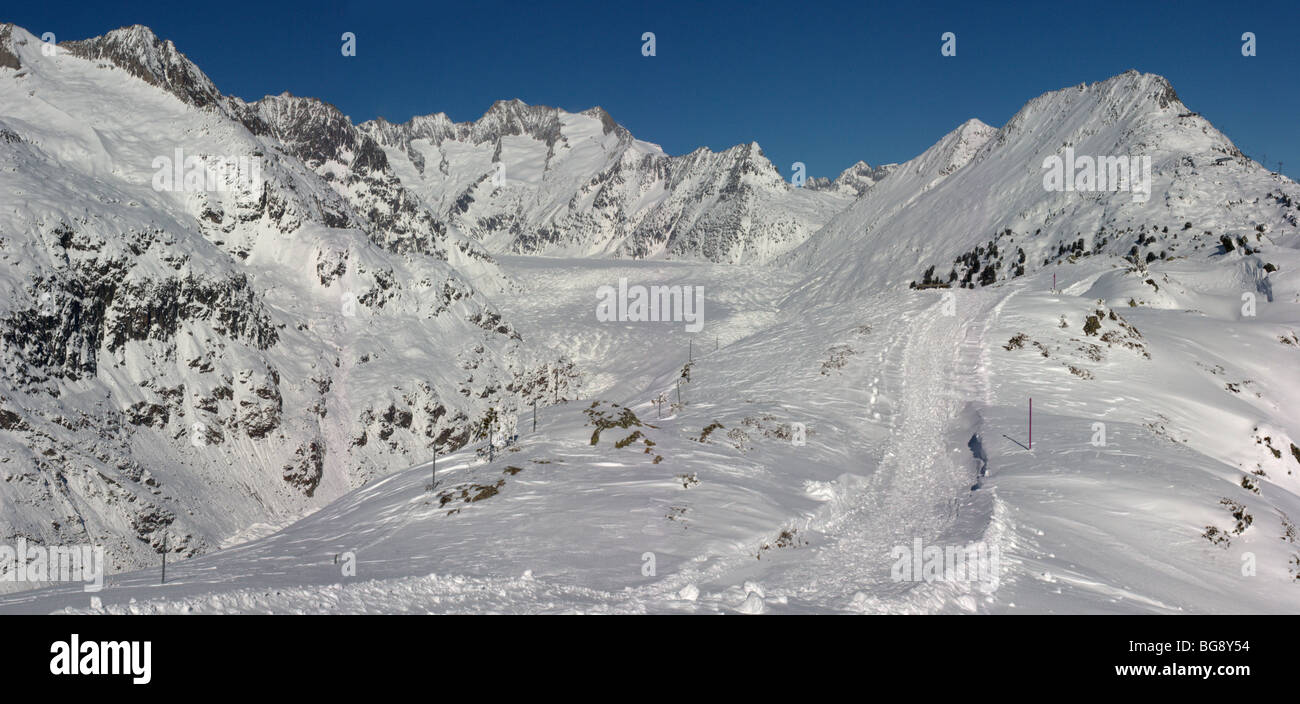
{"points": [[975, 126], [140, 52], [507, 105], [1128, 96], [435, 128], [606, 120], [515, 117], [957, 148], [858, 178], [1148, 86], [8, 58]]}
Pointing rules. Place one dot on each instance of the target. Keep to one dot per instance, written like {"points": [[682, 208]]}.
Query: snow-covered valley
{"points": [[259, 375], [905, 408]]}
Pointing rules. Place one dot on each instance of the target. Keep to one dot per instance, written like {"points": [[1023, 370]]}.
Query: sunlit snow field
{"points": [[916, 426]]}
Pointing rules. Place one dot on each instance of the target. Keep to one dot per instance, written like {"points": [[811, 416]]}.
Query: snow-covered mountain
{"points": [[213, 353], [232, 350], [538, 180], [853, 181], [975, 206]]}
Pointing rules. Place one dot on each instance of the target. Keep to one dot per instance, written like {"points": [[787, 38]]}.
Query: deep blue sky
{"points": [[825, 83]]}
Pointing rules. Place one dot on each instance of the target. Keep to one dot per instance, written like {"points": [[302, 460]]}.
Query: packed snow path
{"points": [[929, 363], [920, 483]]}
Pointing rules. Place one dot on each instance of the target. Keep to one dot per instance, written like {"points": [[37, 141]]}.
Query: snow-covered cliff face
{"points": [[200, 351], [532, 179], [976, 207]]}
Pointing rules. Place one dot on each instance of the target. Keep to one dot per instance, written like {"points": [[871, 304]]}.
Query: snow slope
{"points": [[906, 439]]}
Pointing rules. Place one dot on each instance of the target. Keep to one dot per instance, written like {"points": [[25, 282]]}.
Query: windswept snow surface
{"points": [[917, 428]]}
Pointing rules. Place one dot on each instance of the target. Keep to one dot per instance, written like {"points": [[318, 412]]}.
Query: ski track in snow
{"points": [[913, 492]]}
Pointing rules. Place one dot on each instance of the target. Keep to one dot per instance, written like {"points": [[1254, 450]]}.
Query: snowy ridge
{"points": [[156, 61], [855, 180], [979, 198], [538, 180]]}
